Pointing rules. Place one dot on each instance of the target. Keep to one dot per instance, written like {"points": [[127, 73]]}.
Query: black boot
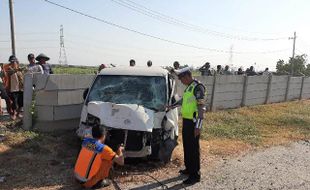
{"points": [[192, 179], [101, 184], [184, 172]]}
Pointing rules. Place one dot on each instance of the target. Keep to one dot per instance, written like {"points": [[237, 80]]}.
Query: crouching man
{"points": [[95, 160]]}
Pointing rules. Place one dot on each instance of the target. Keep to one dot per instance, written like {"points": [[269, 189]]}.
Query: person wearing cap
{"points": [[149, 63], [33, 67], [16, 86], [42, 60], [132, 63], [193, 109]]}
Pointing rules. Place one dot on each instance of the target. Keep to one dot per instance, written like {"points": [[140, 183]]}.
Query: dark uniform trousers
{"points": [[191, 147]]}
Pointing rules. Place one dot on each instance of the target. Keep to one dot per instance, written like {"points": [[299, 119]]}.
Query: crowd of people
{"points": [[12, 81], [12, 74], [206, 70]]}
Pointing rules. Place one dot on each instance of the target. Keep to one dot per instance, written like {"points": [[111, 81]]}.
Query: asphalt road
{"points": [[281, 167]]}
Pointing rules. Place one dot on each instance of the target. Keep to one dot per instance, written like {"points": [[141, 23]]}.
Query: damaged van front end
{"points": [[132, 109]]}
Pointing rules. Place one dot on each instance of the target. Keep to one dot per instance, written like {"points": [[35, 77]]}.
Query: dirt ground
{"points": [[46, 161], [279, 167], [31, 160]]}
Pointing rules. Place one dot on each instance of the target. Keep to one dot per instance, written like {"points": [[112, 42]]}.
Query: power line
{"points": [[129, 51], [152, 36], [171, 20], [164, 15], [87, 39]]}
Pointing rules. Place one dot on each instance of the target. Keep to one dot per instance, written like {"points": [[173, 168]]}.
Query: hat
{"points": [[183, 71], [12, 58], [42, 55]]}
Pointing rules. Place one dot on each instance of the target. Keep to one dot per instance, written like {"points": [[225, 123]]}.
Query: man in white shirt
{"points": [[33, 67]]}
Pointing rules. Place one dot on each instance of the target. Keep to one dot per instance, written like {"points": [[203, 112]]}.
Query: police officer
{"points": [[193, 108]]}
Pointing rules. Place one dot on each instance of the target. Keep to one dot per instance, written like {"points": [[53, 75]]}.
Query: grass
{"points": [[261, 125], [70, 69], [34, 160]]}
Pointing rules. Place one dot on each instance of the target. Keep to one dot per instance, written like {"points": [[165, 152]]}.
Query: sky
{"points": [[236, 29]]}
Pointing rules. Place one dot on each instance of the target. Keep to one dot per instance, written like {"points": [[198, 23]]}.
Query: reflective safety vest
{"points": [[189, 102], [89, 160]]}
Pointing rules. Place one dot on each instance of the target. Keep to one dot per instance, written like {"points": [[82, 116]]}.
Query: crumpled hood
{"points": [[122, 116]]}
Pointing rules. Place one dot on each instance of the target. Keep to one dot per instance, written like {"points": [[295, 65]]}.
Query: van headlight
{"points": [[92, 120]]}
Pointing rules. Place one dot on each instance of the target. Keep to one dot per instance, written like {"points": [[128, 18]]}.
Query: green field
{"points": [[74, 69], [259, 125]]}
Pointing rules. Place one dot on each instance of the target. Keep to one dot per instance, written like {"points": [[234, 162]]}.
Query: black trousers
{"points": [[191, 147], [17, 98]]}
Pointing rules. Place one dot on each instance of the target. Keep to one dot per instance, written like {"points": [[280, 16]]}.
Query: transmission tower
{"points": [[62, 51], [230, 61]]}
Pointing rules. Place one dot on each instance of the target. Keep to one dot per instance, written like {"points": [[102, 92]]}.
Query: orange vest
{"points": [[89, 160], [6, 77]]}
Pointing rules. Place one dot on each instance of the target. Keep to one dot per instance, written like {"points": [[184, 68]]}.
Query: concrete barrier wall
{"points": [[256, 92], [306, 88], [233, 91], [58, 98], [294, 88], [278, 89], [228, 94]]}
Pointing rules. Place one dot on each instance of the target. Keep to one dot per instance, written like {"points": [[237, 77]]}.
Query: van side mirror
{"points": [[85, 93]]}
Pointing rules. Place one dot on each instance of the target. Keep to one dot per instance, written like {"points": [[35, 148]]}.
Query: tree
{"points": [[299, 63], [307, 71], [282, 67]]}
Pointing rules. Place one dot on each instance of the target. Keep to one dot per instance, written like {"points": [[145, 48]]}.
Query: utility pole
{"points": [[293, 56], [62, 51], [12, 27]]}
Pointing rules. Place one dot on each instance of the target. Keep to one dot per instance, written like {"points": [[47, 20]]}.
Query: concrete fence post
{"points": [[245, 88], [302, 88], [287, 88], [28, 91], [268, 89], [213, 106]]}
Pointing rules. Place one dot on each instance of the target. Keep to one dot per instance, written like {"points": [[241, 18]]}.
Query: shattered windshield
{"points": [[149, 91]]}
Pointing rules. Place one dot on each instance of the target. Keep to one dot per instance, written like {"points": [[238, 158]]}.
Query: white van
{"points": [[130, 103]]}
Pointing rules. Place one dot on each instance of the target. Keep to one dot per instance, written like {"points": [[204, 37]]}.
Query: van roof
{"points": [[135, 71]]}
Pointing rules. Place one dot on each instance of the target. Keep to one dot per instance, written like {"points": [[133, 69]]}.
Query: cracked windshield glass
{"points": [[148, 91]]}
